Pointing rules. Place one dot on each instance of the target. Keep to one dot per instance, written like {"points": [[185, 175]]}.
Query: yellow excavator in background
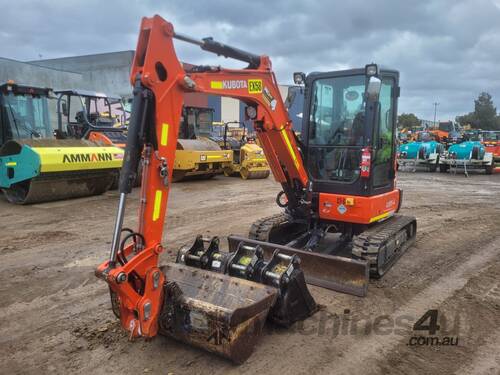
{"points": [[197, 156]]}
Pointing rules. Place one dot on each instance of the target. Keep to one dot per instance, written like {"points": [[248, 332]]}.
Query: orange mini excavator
{"points": [[339, 222]]}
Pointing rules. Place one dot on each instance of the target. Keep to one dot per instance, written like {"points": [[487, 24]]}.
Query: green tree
{"points": [[408, 121], [467, 119], [485, 112], [484, 115]]}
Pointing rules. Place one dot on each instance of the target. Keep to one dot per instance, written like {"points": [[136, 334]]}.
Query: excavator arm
{"points": [[159, 81]]}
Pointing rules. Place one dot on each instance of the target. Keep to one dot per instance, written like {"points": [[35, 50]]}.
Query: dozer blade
{"points": [[216, 312], [333, 272]]}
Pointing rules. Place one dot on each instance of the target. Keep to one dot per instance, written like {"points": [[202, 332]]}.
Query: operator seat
{"points": [[96, 119], [77, 129]]}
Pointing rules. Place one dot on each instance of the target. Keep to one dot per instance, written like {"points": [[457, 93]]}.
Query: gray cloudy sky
{"points": [[446, 50]]}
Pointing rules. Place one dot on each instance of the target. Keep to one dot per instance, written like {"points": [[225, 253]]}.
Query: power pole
{"points": [[435, 112]]}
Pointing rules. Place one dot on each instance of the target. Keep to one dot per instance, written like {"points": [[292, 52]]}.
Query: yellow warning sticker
{"points": [[254, 86], [290, 148], [379, 217], [216, 85], [164, 134], [157, 205]]}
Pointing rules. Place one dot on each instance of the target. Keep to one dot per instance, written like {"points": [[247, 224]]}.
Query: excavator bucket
{"points": [[337, 273], [216, 312], [40, 170]]}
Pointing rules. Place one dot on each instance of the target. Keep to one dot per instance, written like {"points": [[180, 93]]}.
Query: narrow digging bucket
{"points": [[333, 272], [216, 312]]}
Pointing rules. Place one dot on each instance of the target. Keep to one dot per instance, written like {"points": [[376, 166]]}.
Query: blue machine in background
{"points": [[469, 154], [423, 152]]}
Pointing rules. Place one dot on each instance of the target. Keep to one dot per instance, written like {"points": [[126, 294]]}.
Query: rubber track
{"points": [[368, 244], [261, 228]]}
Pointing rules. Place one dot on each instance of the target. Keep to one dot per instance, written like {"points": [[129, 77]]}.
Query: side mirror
{"points": [[64, 109], [373, 89]]}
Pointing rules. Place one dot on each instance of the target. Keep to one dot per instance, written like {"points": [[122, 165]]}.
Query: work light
{"points": [[251, 112], [371, 70], [299, 78]]}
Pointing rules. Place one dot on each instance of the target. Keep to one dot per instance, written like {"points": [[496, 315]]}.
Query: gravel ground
{"points": [[56, 315]]}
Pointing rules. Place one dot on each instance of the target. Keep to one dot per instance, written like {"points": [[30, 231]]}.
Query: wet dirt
{"points": [[56, 317]]}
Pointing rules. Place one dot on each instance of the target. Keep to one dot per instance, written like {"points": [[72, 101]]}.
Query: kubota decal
{"points": [[82, 158], [233, 84]]}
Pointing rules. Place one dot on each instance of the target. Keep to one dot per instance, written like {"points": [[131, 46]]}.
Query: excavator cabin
{"points": [[340, 124], [348, 147]]}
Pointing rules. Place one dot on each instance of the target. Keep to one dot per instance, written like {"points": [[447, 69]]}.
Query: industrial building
{"points": [[109, 73]]}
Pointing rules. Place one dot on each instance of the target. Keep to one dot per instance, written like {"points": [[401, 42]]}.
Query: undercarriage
{"points": [[379, 244]]}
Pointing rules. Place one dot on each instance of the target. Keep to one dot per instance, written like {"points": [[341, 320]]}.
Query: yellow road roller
{"points": [[35, 167], [197, 156], [249, 161]]}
